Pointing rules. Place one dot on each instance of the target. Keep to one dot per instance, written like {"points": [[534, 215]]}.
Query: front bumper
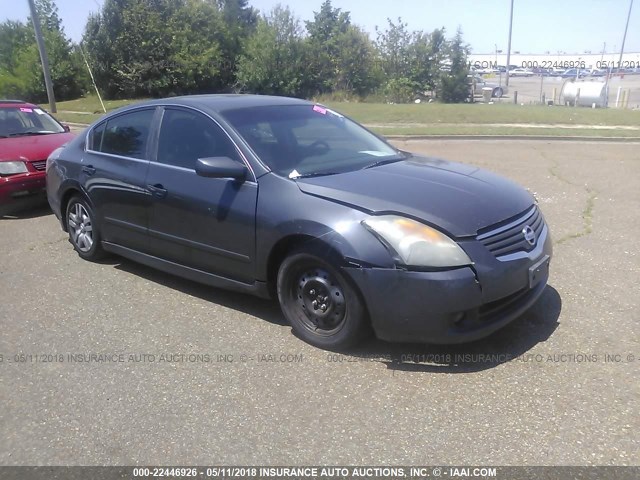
{"points": [[452, 306], [21, 191]]}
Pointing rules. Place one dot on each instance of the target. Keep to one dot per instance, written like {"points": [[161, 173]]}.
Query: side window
{"points": [[128, 134], [187, 136], [95, 138]]}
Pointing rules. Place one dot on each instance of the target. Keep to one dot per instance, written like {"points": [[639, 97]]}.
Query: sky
{"points": [[539, 26]]}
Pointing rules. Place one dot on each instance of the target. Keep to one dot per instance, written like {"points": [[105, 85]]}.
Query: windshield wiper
{"points": [[314, 174], [385, 162], [401, 155], [24, 134]]}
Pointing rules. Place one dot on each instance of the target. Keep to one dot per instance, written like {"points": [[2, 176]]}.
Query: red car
{"points": [[28, 135]]}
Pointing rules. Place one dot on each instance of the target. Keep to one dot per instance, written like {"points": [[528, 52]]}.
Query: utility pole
{"points": [[509, 45], [625, 35], [43, 56]]}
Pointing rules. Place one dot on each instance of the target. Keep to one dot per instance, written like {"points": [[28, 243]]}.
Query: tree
{"points": [[324, 45], [20, 71], [197, 49], [274, 58], [239, 22], [48, 14], [411, 60], [342, 58], [454, 86], [14, 37], [356, 70], [156, 47], [426, 54], [394, 46]]}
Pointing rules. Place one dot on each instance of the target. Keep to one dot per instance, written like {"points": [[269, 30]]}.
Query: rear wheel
{"points": [[319, 302], [84, 233], [497, 92]]}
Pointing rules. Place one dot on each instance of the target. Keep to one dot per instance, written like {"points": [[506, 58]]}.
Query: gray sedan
{"points": [[285, 198]]}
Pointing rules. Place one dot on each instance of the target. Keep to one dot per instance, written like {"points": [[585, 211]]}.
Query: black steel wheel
{"points": [[324, 309]]}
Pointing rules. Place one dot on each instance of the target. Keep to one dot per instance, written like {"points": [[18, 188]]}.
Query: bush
{"points": [[399, 90]]}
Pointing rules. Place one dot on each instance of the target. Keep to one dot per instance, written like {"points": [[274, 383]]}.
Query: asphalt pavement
{"points": [[114, 363], [530, 89]]}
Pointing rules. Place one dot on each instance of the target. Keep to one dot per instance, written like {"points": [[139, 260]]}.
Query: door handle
{"points": [[89, 170], [158, 190]]}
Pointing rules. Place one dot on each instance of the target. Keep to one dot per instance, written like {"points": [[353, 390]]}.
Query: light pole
{"points": [[509, 45], [43, 56], [624, 38]]}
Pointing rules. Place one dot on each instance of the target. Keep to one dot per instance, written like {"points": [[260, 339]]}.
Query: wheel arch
{"points": [[70, 191], [289, 243]]}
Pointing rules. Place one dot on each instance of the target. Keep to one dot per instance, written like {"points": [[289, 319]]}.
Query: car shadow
{"points": [[39, 210], [265, 309], [510, 343], [507, 344]]}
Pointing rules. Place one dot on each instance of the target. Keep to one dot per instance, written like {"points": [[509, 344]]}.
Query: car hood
{"points": [[461, 199], [34, 147]]}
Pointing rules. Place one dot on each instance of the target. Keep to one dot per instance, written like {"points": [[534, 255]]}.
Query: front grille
{"points": [[509, 238], [39, 165]]}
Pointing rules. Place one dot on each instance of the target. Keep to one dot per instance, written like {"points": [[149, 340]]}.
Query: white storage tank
{"points": [[591, 93]]}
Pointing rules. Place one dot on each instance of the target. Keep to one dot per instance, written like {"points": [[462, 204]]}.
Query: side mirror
{"points": [[66, 127], [221, 167]]}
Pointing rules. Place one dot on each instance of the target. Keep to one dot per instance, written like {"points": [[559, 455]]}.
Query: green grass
{"points": [[90, 107], [434, 113], [435, 118], [66, 117], [502, 131], [91, 104]]}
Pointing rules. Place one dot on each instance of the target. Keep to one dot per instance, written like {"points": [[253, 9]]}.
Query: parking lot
{"points": [[530, 88], [114, 363]]}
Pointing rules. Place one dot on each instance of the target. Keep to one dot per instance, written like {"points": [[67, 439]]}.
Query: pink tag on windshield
{"points": [[319, 109], [26, 110]]}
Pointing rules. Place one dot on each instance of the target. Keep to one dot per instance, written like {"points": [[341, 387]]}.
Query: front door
{"points": [[203, 223]]}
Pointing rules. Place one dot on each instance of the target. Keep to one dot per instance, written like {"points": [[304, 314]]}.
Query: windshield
{"points": [[307, 140], [23, 121]]}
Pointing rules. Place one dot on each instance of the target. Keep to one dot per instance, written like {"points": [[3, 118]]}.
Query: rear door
{"points": [[113, 173], [203, 223]]}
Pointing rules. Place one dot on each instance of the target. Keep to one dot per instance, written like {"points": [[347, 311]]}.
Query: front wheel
{"points": [[320, 303], [84, 234], [497, 93]]}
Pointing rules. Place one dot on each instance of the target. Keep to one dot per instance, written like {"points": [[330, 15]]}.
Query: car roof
{"points": [[221, 102], [16, 103]]}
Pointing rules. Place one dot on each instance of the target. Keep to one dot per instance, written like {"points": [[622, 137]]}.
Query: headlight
{"points": [[11, 168], [416, 244]]}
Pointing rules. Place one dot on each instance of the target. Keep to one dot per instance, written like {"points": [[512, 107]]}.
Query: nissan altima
{"points": [[288, 199]]}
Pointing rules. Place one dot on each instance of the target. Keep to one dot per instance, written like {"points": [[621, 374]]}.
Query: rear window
{"points": [[95, 138], [125, 135]]}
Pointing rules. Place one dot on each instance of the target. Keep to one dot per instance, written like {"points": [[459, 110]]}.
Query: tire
{"points": [[84, 233], [320, 303], [497, 92]]}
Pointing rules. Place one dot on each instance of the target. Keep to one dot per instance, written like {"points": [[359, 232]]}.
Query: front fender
{"points": [[284, 212]]}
